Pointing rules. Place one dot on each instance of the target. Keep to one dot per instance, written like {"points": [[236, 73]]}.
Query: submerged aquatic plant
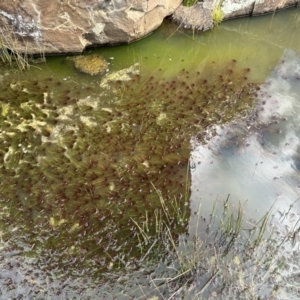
{"points": [[78, 164]]}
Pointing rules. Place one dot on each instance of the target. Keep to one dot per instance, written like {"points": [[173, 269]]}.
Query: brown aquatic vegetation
{"points": [[91, 64], [88, 165]]}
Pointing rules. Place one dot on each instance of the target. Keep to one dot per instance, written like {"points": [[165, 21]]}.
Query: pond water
{"points": [[101, 177]]}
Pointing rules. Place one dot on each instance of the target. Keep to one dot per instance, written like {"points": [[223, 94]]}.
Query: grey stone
{"points": [[199, 16], [62, 26], [238, 8], [195, 17]]}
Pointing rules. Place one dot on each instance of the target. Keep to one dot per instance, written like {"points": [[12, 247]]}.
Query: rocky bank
{"points": [[69, 26]]}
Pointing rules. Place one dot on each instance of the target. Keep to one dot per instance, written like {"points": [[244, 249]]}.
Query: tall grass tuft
{"points": [[189, 2], [10, 54], [217, 14], [223, 256]]}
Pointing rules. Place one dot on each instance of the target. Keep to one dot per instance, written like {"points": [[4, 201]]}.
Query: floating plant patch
{"points": [[91, 64], [79, 164]]}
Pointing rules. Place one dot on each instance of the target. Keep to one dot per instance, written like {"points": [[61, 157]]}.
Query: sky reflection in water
{"points": [[256, 163]]}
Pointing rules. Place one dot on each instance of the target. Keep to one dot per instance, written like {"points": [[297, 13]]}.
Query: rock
{"points": [[200, 16], [269, 6], [91, 64], [69, 26], [238, 8], [39, 27], [121, 75], [195, 17]]}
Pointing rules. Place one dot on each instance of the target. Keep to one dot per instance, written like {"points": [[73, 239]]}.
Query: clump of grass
{"points": [[10, 54], [217, 14], [222, 256], [189, 2]]}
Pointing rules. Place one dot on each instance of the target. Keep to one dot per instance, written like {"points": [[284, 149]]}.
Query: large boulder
{"points": [[238, 8], [62, 26], [201, 15], [269, 6], [195, 17]]}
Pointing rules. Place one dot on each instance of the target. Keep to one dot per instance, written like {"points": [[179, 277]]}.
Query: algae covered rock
{"points": [[90, 64], [121, 75]]}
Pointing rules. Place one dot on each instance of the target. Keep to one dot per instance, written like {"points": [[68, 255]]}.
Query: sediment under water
{"points": [[79, 167]]}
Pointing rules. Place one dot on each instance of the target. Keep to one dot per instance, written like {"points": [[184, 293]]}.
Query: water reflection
{"points": [[256, 161]]}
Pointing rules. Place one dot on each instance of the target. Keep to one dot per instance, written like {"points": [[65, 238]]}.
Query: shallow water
{"points": [[79, 161]]}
